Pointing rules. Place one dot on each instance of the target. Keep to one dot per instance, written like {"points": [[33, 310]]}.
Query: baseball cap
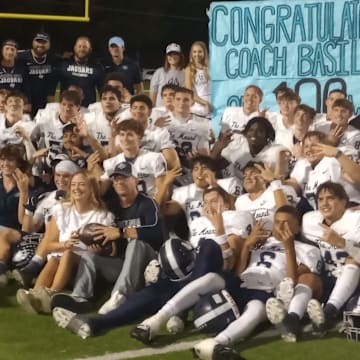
{"points": [[42, 36], [173, 48], [67, 166], [116, 40], [124, 169], [10, 42]]}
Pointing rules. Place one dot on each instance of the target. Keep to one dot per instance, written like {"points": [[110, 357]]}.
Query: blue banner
{"points": [[312, 46]]}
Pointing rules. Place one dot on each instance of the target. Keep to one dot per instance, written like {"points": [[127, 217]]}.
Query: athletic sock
{"points": [[302, 295]]}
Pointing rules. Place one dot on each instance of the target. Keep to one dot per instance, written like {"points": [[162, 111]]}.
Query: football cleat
{"points": [[291, 328], [67, 319], [115, 300], [285, 291], [175, 325], [141, 333], [275, 311], [210, 349], [316, 315]]}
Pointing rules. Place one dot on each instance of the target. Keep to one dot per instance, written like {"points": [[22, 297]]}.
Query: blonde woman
{"points": [[171, 73], [197, 78], [82, 206]]}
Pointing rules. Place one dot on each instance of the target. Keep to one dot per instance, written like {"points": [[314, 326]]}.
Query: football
{"points": [[86, 234]]}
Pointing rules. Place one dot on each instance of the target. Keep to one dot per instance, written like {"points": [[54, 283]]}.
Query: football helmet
{"points": [[25, 250], [176, 258], [215, 311], [352, 318]]}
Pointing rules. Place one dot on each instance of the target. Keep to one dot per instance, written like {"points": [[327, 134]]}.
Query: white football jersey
{"points": [[235, 222], [350, 143], [44, 208], [263, 208], [267, 264], [190, 197], [237, 153], [155, 139], [321, 123], [50, 129], [235, 119], [348, 227], [328, 169], [8, 135], [148, 166]]}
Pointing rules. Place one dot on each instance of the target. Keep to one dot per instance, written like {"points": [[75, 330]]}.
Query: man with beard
{"points": [[82, 71], [40, 66]]}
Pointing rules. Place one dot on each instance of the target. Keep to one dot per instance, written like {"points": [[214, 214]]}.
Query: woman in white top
{"points": [[171, 73], [82, 206], [197, 78]]}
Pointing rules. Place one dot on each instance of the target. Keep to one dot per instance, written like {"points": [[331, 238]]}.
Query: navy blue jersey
{"points": [[143, 214], [15, 78], [89, 76], [41, 76], [128, 68]]}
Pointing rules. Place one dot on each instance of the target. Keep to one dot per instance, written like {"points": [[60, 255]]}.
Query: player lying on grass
{"points": [[264, 262]]}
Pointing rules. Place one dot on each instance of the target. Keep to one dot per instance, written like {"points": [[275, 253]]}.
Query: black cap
{"points": [[42, 36], [10, 42], [124, 169]]}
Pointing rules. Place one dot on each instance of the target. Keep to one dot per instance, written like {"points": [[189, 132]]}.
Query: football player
{"points": [[335, 229], [264, 262]]}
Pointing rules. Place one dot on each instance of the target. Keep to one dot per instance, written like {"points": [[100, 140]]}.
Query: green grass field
{"points": [[24, 336]]}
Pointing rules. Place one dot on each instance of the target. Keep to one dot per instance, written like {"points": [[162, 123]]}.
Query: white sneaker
{"points": [[204, 349], [115, 300], [275, 311], [152, 271], [67, 319], [285, 291], [175, 325], [3, 280]]}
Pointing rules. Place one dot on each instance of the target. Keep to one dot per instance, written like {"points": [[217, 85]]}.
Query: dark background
{"points": [[146, 26]]}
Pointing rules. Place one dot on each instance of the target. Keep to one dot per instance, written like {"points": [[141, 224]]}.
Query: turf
{"points": [[24, 336]]}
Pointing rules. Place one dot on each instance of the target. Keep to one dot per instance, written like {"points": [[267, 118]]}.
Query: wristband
{"points": [[221, 239], [276, 185], [227, 253]]}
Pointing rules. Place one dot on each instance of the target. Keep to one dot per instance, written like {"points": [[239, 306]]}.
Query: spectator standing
{"points": [[117, 62], [13, 75], [40, 65], [171, 73], [80, 70], [197, 78]]}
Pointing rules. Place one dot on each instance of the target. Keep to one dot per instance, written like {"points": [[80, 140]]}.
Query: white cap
{"points": [[173, 48], [67, 166]]}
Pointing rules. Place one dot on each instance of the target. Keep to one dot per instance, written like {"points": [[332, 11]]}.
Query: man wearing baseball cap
{"points": [[138, 233], [40, 65], [13, 74], [117, 62]]}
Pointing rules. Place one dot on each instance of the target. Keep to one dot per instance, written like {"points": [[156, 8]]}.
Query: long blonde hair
{"points": [[192, 65], [95, 197]]}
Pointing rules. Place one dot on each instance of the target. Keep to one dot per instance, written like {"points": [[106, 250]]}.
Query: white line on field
{"points": [[132, 354]]}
